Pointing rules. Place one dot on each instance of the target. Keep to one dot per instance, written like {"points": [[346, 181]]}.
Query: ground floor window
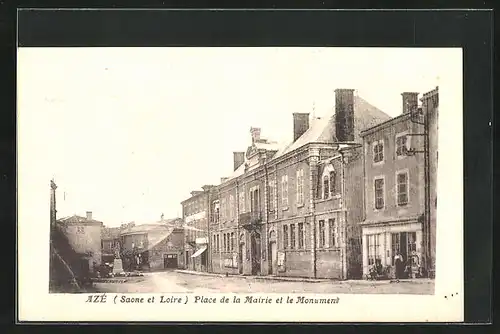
{"points": [[404, 243], [373, 248]]}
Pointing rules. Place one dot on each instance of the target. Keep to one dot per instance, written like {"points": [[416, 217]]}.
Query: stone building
{"points": [[155, 246], [294, 210], [110, 243], [396, 154], [84, 236], [195, 214]]}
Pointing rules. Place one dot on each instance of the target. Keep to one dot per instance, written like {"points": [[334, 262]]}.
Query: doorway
{"points": [[240, 258], [255, 251], [273, 258], [170, 261]]}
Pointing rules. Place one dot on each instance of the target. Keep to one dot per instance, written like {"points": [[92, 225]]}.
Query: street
{"points": [[171, 281]]}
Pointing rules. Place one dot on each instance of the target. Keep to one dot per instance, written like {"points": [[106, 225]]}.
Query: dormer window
{"points": [[329, 182]]}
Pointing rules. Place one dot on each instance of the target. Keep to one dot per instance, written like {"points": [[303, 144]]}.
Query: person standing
{"points": [[399, 265]]}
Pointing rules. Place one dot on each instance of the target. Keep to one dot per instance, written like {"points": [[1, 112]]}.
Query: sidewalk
{"points": [[308, 280]]}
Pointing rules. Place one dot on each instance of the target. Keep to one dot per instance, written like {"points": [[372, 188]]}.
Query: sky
{"points": [[128, 133]]}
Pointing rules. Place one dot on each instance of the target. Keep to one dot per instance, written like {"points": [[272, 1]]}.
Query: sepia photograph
{"points": [[272, 170]]}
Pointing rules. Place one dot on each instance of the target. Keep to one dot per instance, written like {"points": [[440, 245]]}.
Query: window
{"points": [[395, 245], [218, 244], [214, 248], [411, 242], [378, 151], [232, 241], [373, 248], [404, 243], [321, 233], [285, 236], [231, 206], [331, 227], [326, 187], [223, 209], [402, 188], [333, 183], [80, 229], [284, 190], [301, 235], [379, 193], [242, 201], [401, 141], [272, 186], [300, 187], [292, 236], [225, 243]]}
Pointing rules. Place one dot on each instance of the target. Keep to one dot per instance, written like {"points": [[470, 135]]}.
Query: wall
{"points": [[85, 238], [433, 166], [172, 244], [387, 169]]}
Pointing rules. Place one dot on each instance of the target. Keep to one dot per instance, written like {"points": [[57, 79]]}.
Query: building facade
{"points": [[84, 236], [151, 247], [195, 214], [400, 188], [110, 243], [294, 210]]}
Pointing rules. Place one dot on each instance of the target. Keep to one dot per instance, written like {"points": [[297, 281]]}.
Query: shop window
{"points": [[373, 248]]}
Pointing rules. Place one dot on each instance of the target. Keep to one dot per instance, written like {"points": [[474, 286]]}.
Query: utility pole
{"points": [[418, 116]]}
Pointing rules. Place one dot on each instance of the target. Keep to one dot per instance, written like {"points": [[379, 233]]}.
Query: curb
{"points": [[307, 280]]}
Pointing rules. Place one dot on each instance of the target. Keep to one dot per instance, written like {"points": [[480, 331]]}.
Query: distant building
{"points": [[84, 236], [195, 214], [110, 243], [155, 246], [396, 185]]}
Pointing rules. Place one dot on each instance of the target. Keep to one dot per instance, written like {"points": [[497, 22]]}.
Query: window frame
{"points": [[332, 225], [285, 230], [380, 177], [284, 191], [400, 135], [300, 187], [375, 144], [321, 233], [301, 238], [396, 181], [293, 239]]}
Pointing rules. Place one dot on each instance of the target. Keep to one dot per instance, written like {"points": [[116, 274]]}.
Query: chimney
{"points": [[300, 124], [89, 215], [410, 101], [239, 159], [344, 114], [255, 134]]}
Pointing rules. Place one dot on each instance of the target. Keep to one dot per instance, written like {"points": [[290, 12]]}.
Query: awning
{"points": [[199, 251]]}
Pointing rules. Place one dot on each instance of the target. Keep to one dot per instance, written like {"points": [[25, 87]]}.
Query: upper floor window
{"points": [[326, 187], [284, 190], [242, 201], [80, 229], [378, 151], [300, 187], [379, 193], [231, 206], [401, 145], [285, 236], [402, 188], [254, 200], [333, 182], [272, 189]]}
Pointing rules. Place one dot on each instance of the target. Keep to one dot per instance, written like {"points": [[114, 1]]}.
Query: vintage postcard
{"points": [[240, 184]]}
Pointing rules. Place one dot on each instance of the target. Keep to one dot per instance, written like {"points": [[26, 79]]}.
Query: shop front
{"points": [[395, 247], [199, 257]]}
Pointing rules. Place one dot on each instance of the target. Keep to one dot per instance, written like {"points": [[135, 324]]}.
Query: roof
{"points": [[156, 226], [77, 220], [322, 129], [110, 232]]}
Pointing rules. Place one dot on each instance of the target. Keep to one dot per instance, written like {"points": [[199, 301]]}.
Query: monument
{"points": [[117, 262]]}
